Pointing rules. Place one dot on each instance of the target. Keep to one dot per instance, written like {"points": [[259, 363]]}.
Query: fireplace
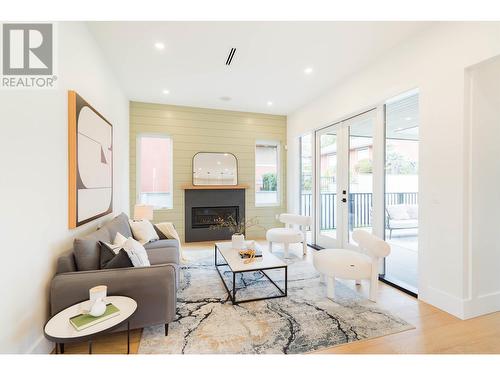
{"points": [[203, 206], [205, 217]]}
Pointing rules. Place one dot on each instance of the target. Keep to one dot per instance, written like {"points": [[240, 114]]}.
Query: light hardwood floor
{"points": [[436, 331]]}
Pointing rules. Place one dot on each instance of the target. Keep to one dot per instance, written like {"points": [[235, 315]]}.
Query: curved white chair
{"points": [[294, 232], [351, 264]]}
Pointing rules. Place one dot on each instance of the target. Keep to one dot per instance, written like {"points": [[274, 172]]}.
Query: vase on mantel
{"points": [[238, 241]]}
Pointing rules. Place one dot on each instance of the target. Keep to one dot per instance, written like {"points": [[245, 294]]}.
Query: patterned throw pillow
{"points": [[136, 252]]}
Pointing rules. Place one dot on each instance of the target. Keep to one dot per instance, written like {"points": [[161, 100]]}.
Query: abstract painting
{"points": [[90, 138]]}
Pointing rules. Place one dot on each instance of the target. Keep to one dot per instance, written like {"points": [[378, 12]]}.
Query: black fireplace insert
{"points": [[205, 217]]}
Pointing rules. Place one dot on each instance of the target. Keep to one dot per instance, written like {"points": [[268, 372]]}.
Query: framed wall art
{"points": [[90, 141]]}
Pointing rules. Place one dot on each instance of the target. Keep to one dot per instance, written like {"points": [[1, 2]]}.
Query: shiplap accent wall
{"points": [[199, 129]]}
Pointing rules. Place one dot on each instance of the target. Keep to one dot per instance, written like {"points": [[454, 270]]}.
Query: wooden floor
{"points": [[436, 331]]}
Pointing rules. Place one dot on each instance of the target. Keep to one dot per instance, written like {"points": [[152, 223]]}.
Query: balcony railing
{"points": [[360, 204]]}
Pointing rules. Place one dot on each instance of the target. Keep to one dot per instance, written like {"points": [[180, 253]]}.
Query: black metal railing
{"points": [[360, 207]]}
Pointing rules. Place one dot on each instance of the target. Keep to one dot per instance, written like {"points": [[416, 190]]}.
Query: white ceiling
{"points": [[268, 65]]}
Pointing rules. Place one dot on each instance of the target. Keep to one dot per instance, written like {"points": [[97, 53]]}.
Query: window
{"points": [[154, 171], [267, 174]]}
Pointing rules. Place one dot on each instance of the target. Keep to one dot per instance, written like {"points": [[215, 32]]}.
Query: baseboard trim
{"points": [[442, 300], [481, 305], [42, 346]]}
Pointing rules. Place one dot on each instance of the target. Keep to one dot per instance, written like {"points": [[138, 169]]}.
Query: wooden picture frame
{"points": [[90, 162]]}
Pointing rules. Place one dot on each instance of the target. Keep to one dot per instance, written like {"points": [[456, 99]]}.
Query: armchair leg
{"points": [[373, 287], [358, 282], [270, 246], [322, 278], [304, 247], [166, 329], [330, 287]]}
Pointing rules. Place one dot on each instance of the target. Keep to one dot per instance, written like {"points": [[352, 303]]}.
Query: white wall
{"points": [[435, 62], [484, 188], [34, 182]]}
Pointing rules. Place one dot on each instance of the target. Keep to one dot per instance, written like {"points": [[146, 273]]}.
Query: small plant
{"points": [[269, 182], [235, 226]]}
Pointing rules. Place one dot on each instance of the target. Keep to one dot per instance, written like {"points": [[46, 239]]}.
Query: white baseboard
{"points": [[442, 300], [481, 305], [42, 346]]}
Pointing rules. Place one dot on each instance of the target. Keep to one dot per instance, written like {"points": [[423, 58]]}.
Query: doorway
{"points": [[361, 173]]}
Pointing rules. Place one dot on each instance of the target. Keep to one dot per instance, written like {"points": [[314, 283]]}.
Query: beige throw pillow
{"points": [[143, 231]]}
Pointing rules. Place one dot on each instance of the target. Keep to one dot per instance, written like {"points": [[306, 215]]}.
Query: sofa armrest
{"points": [[153, 288]]}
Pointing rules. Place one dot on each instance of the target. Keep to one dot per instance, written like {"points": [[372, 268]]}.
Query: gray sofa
{"points": [[154, 288]]}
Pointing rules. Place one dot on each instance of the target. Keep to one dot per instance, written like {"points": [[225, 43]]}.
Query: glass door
{"points": [[306, 180], [344, 180], [401, 190], [360, 155], [328, 187]]}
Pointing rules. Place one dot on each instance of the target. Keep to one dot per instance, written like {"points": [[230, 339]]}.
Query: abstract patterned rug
{"points": [[302, 322]]}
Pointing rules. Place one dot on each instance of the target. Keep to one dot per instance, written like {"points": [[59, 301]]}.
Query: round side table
{"points": [[60, 331]]}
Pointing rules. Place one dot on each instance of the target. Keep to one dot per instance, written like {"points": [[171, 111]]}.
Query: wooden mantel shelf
{"points": [[213, 187]]}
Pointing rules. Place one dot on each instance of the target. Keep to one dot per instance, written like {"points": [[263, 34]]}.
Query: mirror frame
{"points": [[214, 152]]}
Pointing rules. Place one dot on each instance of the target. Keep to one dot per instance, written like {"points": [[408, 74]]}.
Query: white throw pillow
{"points": [[413, 212], [136, 252], [117, 244], [119, 239], [143, 231]]}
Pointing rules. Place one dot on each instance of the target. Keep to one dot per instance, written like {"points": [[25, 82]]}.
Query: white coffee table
{"points": [[60, 331], [236, 265]]}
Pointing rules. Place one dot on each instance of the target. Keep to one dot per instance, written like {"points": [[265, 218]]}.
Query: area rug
{"points": [[302, 322]]}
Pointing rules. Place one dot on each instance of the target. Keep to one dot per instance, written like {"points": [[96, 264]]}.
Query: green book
{"points": [[82, 321]]}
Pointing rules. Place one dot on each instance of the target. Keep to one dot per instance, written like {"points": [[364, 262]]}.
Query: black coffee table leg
{"points": [[128, 336], [90, 346]]}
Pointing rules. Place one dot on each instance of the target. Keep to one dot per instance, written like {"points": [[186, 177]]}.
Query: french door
{"points": [[345, 161]]}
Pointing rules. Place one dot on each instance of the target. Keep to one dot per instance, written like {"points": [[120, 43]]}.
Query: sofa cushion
{"points": [[66, 262], [403, 224], [163, 251], [398, 212], [118, 224], [87, 250], [162, 244]]}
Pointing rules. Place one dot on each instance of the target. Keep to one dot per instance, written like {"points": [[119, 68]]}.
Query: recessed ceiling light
{"points": [[166, 92], [269, 103], [308, 70], [159, 46]]}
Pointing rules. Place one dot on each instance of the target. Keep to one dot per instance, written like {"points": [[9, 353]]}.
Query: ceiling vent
{"points": [[230, 56]]}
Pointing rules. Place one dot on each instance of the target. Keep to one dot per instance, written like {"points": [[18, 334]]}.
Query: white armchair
{"points": [[294, 232], [353, 265]]}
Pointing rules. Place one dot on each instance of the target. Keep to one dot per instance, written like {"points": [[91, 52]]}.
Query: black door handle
{"points": [[344, 200]]}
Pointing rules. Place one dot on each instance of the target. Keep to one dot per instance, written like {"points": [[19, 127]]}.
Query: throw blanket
{"points": [[169, 231]]}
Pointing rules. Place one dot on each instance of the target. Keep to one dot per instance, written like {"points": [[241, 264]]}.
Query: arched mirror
{"points": [[215, 168]]}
